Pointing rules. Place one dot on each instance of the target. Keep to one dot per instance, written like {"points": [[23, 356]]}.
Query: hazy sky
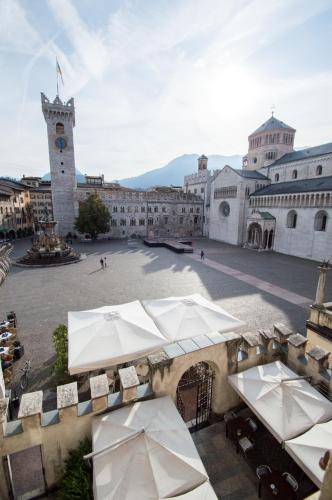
{"points": [[153, 79]]}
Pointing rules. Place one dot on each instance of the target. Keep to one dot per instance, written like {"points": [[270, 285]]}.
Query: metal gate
{"points": [[194, 395]]}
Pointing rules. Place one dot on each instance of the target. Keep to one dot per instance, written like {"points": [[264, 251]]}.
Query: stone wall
{"points": [[4, 261]]}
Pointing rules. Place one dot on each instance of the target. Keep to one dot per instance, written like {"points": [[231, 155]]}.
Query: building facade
{"points": [[16, 218], [280, 200]]}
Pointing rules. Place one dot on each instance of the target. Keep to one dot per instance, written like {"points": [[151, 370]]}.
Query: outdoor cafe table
{"points": [[238, 427], [5, 336], [282, 490]]}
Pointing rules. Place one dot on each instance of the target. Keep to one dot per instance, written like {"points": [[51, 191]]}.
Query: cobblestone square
{"points": [[259, 288]]}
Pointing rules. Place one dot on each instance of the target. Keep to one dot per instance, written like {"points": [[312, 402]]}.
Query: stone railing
{"points": [[4, 261]]}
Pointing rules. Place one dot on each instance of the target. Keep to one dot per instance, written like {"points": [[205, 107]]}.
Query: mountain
{"points": [[79, 176], [175, 170]]}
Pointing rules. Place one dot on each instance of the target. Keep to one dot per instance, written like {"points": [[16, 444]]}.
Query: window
{"points": [[224, 208], [254, 160], [195, 219], [142, 209], [191, 210], [195, 191], [133, 222], [181, 220], [183, 210], [129, 210], [150, 222], [149, 209], [291, 219], [320, 221], [165, 219], [122, 209], [156, 209], [197, 210], [123, 222], [136, 209], [142, 222], [163, 209], [59, 128], [113, 223], [202, 190], [115, 209], [276, 177], [294, 174], [319, 170]]}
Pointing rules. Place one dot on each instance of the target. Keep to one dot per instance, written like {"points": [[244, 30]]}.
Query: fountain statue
{"points": [[48, 249]]}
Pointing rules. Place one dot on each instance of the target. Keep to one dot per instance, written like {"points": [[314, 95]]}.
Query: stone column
{"points": [[129, 383], [99, 392], [320, 292]]}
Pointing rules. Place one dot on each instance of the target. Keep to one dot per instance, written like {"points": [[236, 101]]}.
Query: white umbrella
{"points": [[110, 335], [144, 451], [180, 318], [308, 448], [203, 492], [286, 403]]}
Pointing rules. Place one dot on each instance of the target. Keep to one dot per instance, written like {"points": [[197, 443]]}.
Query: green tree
{"points": [[76, 482], [60, 341], [93, 217]]}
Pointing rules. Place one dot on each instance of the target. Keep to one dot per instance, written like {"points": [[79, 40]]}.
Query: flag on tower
{"points": [[58, 70]]}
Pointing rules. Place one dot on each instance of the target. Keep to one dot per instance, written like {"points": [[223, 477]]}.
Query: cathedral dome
{"points": [[272, 124]]}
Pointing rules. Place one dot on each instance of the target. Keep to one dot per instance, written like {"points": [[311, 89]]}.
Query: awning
{"points": [[308, 448], [287, 404], [186, 317], [109, 336], [203, 492], [145, 451]]}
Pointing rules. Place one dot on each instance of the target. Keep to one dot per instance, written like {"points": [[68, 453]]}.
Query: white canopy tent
{"points": [[308, 448], [203, 492], [110, 335], [145, 451], [286, 404], [180, 318]]}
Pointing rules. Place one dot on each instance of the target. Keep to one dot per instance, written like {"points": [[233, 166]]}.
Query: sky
{"points": [[155, 79]]}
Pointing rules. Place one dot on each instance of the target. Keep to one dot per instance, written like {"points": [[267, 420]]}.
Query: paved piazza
{"points": [[259, 288]]}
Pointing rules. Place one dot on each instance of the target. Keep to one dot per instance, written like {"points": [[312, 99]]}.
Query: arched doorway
{"points": [[255, 235], [194, 395], [11, 234], [265, 238]]}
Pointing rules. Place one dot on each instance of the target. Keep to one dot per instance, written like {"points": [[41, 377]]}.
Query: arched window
{"points": [[276, 177], [320, 221], [319, 170], [294, 174], [292, 219], [59, 128]]}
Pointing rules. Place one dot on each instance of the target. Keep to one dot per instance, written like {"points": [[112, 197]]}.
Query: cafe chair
{"points": [[252, 424], [262, 470], [291, 480]]}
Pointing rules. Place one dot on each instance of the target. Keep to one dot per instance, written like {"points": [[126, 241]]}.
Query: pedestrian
{"points": [[102, 263], [202, 255], [105, 263]]}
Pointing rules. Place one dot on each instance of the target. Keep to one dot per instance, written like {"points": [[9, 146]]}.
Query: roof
{"points": [[301, 186], [250, 174], [203, 157], [266, 215], [12, 183], [323, 149], [272, 124]]}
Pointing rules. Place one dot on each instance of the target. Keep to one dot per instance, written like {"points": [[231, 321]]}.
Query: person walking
{"points": [[202, 255], [105, 263], [102, 263]]}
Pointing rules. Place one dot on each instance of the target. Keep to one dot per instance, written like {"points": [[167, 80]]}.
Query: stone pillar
{"points": [[268, 337], [296, 352], [282, 332], [31, 408], [129, 383], [99, 392], [67, 399], [320, 292]]}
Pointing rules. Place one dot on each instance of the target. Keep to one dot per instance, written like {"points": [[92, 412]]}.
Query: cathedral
{"points": [[280, 200]]}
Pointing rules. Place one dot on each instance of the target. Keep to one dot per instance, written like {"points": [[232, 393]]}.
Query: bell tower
{"points": [[60, 120]]}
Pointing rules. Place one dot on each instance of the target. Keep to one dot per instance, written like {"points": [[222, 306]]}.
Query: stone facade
{"points": [[60, 120], [15, 210]]}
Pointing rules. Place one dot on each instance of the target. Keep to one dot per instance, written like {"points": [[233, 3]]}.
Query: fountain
{"points": [[48, 249]]}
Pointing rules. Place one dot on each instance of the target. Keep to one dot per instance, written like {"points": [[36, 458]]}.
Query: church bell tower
{"points": [[60, 120]]}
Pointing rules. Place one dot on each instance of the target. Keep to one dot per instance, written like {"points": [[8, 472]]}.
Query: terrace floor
{"points": [[232, 475]]}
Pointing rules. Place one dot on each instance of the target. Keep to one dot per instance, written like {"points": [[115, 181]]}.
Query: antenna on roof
{"points": [[273, 107]]}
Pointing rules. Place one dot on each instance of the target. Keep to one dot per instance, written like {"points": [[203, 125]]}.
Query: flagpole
{"points": [[57, 77]]}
